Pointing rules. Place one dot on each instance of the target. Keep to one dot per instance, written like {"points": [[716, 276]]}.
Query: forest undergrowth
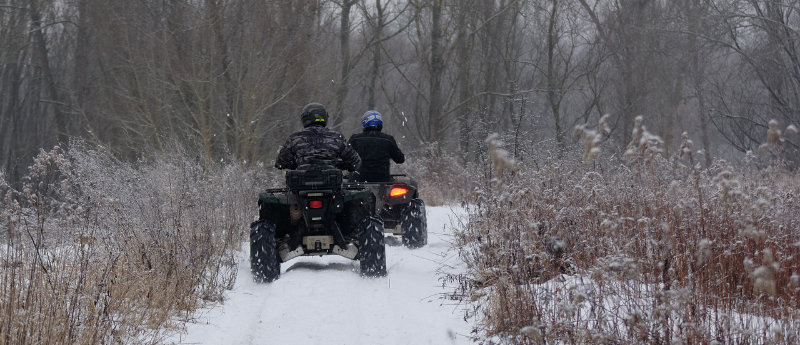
{"points": [[636, 248], [96, 250], [99, 251]]}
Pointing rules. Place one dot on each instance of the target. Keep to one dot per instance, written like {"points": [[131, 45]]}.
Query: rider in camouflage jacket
{"points": [[316, 147]]}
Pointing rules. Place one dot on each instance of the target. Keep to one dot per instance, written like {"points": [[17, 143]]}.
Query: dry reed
{"points": [[641, 250], [99, 251]]}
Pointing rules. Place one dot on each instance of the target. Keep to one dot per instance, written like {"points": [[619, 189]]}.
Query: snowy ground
{"points": [[322, 300]]}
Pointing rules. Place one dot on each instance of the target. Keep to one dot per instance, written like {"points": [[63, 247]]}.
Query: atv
{"points": [[316, 214], [401, 209]]}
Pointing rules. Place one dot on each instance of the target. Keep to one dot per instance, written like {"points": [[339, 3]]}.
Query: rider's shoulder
{"points": [[387, 136], [329, 134], [357, 135]]}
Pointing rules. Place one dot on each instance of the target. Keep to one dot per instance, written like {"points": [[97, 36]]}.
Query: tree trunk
{"points": [[216, 17], [80, 84], [344, 41], [9, 110], [464, 87], [376, 55], [554, 93], [698, 75], [49, 81], [437, 69]]}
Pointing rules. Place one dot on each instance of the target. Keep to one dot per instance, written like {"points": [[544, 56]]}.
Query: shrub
{"points": [[101, 251], [639, 249]]}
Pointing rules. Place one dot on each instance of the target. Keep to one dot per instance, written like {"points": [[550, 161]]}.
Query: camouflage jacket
{"points": [[316, 147]]}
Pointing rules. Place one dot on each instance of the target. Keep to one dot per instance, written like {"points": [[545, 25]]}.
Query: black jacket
{"points": [[375, 149], [316, 147]]}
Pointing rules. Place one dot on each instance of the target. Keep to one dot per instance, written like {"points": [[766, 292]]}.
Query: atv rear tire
{"points": [[414, 224], [371, 252], [264, 261]]}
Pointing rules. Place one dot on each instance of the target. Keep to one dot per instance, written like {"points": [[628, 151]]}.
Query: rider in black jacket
{"points": [[375, 149]]}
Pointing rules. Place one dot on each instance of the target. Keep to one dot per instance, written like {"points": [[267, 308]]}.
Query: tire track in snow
{"points": [[324, 300]]}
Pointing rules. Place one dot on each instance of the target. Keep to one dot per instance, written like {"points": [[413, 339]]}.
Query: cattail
{"points": [[638, 131], [501, 159], [602, 125], [592, 139], [608, 225], [774, 134], [794, 282], [535, 333], [703, 251], [752, 233], [686, 146], [727, 184], [748, 265], [764, 275], [643, 143], [589, 137]]}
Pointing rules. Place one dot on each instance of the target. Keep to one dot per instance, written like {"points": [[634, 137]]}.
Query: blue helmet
{"points": [[371, 118]]}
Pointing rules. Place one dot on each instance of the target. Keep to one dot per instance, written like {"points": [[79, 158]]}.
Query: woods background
{"points": [[229, 77]]}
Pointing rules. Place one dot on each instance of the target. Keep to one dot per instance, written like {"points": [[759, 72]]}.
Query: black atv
{"points": [[316, 214], [401, 209]]}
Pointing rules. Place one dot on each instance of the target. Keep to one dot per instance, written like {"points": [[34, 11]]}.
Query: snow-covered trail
{"points": [[323, 300]]}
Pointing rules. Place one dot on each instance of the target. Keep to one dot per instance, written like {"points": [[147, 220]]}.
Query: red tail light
{"points": [[398, 191], [315, 204]]}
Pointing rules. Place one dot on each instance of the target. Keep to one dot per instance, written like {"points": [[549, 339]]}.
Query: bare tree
{"points": [[435, 129], [763, 34], [464, 107], [695, 11], [342, 88], [555, 78], [31, 108], [621, 33], [380, 23], [380, 32], [12, 57], [228, 77]]}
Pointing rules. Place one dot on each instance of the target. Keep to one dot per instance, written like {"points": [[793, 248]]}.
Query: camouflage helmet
{"points": [[314, 113]]}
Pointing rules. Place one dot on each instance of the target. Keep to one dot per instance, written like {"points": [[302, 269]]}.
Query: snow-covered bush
{"points": [[101, 251], [641, 249]]}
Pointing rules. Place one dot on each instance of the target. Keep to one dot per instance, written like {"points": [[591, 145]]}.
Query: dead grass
{"points": [[640, 250], [100, 251]]}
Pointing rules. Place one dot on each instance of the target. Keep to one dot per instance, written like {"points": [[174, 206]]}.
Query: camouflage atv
{"points": [[401, 209], [316, 214]]}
